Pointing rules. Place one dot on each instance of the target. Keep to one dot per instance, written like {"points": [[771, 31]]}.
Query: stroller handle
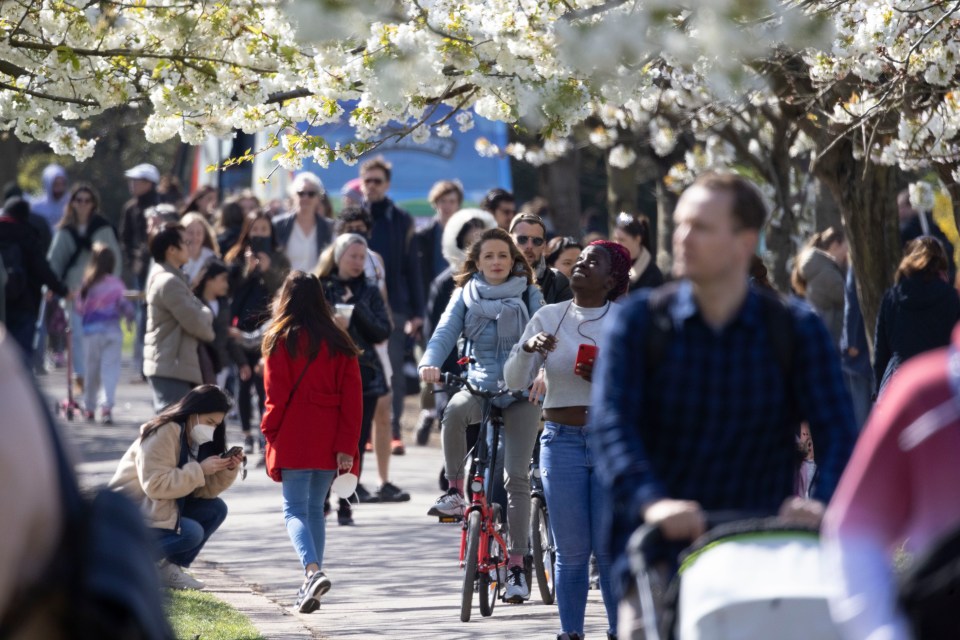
{"points": [[647, 541]]}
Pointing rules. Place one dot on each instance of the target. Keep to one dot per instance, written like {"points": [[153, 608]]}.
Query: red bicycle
{"points": [[483, 550]]}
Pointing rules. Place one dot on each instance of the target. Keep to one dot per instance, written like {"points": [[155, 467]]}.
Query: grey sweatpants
{"points": [[521, 422]]}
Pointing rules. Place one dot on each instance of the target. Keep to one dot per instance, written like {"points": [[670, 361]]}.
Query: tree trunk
{"points": [[560, 184], [866, 195], [666, 203], [11, 149]]}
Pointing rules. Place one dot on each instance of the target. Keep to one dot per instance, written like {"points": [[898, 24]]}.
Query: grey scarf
{"points": [[502, 303]]}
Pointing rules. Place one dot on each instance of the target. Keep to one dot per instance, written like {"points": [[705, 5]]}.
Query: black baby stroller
{"points": [[752, 579]]}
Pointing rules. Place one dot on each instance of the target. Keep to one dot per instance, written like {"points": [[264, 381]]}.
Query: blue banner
{"points": [[416, 167]]}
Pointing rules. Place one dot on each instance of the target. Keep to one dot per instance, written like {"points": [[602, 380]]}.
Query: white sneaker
{"points": [[449, 504], [174, 577], [517, 589]]}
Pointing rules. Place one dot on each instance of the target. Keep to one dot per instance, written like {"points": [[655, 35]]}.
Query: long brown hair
{"points": [[472, 264], [69, 218], [207, 398], [924, 257], [102, 262], [301, 308]]}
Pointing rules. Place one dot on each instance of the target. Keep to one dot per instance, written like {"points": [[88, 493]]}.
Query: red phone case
{"points": [[585, 353]]}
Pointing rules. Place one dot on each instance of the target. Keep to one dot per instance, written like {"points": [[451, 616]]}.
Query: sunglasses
{"points": [[83, 200], [537, 242], [306, 194], [373, 181]]}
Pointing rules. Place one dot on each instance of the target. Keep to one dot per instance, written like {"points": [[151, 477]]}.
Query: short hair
{"points": [[924, 257], [377, 162], [353, 214], [636, 225], [304, 179], [168, 236], [747, 208], [560, 244], [442, 188], [494, 197], [529, 218]]}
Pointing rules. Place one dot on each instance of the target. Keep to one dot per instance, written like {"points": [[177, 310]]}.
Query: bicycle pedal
{"points": [[449, 519]]}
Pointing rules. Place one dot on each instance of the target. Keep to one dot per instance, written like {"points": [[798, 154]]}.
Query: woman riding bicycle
{"points": [[494, 299], [553, 342]]}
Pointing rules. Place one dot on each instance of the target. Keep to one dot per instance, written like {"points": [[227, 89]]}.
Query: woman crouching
{"points": [[175, 471]]}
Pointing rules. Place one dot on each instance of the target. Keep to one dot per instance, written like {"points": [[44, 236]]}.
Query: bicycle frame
{"points": [[479, 485]]}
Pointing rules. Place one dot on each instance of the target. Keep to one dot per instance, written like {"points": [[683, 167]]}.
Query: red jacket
{"points": [[323, 417]]}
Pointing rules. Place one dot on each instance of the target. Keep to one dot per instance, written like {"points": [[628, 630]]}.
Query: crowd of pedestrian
{"points": [[304, 320]]}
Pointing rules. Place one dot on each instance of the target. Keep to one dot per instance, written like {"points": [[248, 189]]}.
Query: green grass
{"points": [[195, 615]]}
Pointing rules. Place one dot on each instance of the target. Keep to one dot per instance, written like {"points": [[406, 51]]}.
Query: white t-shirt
{"points": [[302, 249]]}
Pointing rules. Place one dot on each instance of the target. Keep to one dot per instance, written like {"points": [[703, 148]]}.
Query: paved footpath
{"points": [[395, 574]]}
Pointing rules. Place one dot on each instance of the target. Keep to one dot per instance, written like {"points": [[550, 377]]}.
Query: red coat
{"points": [[323, 417]]}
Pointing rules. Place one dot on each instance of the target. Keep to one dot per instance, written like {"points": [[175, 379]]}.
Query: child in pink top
{"points": [[899, 487], [101, 305]]}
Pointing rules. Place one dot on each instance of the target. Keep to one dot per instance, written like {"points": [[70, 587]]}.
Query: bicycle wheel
{"points": [[544, 553], [470, 565], [490, 583]]}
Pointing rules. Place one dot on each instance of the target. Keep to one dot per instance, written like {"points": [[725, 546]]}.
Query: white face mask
{"points": [[202, 433]]}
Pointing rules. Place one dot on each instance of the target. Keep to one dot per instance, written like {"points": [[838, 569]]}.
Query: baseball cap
{"points": [[143, 172]]}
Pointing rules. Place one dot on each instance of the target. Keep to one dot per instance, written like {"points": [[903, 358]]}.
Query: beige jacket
{"points": [[149, 475], [176, 320]]}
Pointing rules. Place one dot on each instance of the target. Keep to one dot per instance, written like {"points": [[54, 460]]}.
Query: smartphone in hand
{"points": [[586, 354], [231, 452]]}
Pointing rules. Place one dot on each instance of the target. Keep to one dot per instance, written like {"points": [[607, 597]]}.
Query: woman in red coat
{"points": [[312, 420]]}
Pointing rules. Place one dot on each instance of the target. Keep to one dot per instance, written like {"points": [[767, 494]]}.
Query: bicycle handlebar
{"points": [[453, 380]]}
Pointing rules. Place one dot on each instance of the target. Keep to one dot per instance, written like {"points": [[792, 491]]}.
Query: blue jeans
{"points": [[575, 501], [860, 388], [304, 491], [199, 518]]}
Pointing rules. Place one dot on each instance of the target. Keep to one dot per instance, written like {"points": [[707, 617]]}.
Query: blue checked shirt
{"points": [[714, 424]]}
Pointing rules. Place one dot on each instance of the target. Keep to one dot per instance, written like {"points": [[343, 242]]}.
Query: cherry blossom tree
{"points": [[852, 93]]}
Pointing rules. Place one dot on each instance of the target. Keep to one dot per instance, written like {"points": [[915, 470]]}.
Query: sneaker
{"points": [[89, 416], [389, 492], [449, 504], [308, 598], [424, 428], [105, 417], [517, 589], [397, 448], [345, 514], [174, 577], [248, 444], [364, 496]]}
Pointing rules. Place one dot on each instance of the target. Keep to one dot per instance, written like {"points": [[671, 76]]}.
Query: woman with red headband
{"points": [[561, 339]]}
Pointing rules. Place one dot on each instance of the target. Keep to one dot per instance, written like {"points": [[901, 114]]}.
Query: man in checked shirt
{"points": [[713, 427]]}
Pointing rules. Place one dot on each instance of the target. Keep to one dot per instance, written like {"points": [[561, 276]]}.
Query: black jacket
{"points": [[133, 236], [253, 291], [392, 237], [554, 286], [916, 315], [441, 290], [369, 325], [35, 266], [224, 350], [650, 278], [427, 242]]}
